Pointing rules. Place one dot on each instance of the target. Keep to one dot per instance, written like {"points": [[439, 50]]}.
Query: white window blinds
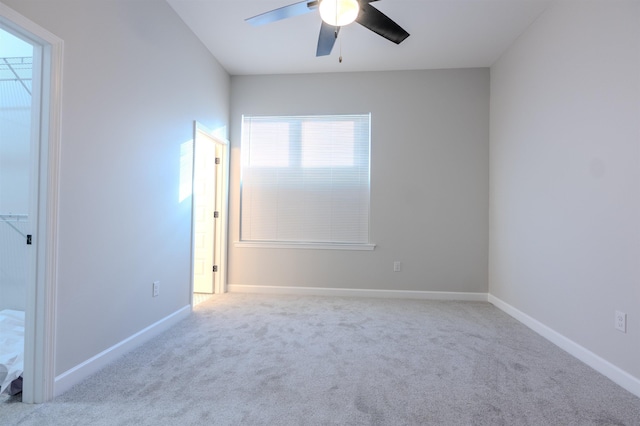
{"points": [[305, 179]]}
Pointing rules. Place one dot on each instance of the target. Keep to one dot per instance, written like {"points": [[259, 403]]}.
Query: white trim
{"points": [[601, 365], [48, 269], [75, 375], [317, 246], [354, 292], [224, 211], [41, 302]]}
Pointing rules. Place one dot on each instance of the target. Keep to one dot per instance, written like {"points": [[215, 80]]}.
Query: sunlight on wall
{"points": [[186, 170]]}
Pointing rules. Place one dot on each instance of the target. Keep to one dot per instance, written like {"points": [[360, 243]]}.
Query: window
{"points": [[305, 181]]}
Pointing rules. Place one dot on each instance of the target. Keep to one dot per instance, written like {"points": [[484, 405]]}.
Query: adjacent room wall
{"points": [[565, 176], [15, 144], [429, 180], [135, 78]]}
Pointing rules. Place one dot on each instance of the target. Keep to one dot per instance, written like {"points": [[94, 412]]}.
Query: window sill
{"points": [[316, 246]]}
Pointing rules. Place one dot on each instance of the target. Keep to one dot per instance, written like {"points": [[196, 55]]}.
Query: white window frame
{"points": [[323, 245]]}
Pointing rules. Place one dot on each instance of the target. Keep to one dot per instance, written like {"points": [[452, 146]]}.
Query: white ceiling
{"points": [[444, 34]]}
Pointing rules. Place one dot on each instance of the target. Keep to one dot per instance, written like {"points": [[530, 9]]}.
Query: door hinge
{"points": [[216, 215], [29, 239], [217, 160], [215, 268]]}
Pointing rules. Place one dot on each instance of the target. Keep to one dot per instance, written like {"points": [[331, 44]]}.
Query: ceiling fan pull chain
{"points": [[340, 58]]}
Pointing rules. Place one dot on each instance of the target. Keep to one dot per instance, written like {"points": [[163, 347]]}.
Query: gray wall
{"points": [[565, 175], [135, 78], [429, 179]]}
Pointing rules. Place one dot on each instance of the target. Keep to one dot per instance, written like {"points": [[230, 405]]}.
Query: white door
{"points": [[204, 207]]}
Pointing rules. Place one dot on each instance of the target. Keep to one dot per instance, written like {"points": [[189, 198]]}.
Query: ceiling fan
{"points": [[335, 14]]}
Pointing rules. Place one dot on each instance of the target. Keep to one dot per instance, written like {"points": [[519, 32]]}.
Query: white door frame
{"points": [[39, 361], [222, 203]]}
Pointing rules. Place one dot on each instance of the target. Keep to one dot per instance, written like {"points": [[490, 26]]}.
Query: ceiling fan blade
{"points": [[326, 39], [284, 12], [371, 18]]}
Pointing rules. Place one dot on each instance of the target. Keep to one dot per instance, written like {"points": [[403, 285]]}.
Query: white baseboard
{"points": [[352, 292], [616, 374], [75, 375]]}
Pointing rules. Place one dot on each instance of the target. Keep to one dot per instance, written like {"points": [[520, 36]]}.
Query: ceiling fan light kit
{"points": [[339, 13]]}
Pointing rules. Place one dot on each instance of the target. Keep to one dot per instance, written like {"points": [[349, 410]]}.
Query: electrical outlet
{"points": [[397, 266], [621, 321], [156, 288]]}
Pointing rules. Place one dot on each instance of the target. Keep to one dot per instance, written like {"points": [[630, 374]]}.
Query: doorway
{"points": [[18, 146], [35, 164], [209, 214]]}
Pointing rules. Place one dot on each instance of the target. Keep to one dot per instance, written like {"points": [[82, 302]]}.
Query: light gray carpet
{"points": [[288, 360]]}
